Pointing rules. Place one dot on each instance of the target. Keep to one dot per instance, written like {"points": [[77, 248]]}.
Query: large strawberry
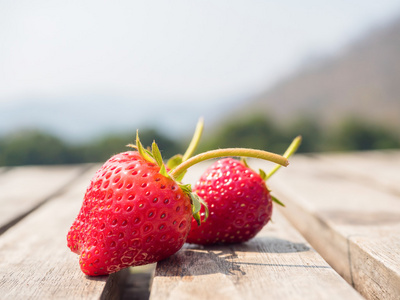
{"points": [[238, 200], [133, 213]]}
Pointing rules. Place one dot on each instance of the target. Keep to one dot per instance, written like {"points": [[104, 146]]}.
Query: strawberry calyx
{"points": [[177, 165], [154, 156]]}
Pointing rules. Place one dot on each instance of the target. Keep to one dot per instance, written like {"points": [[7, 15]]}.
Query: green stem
{"points": [[276, 158], [289, 151], [195, 140]]}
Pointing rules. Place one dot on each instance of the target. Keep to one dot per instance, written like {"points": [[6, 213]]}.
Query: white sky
{"points": [[176, 49]]}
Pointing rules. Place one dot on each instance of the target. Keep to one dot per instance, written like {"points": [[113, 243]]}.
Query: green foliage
{"points": [[352, 134], [34, 147], [311, 132], [255, 132], [356, 134]]}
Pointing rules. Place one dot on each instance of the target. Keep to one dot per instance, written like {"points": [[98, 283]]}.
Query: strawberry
{"points": [[238, 200], [133, 213]]}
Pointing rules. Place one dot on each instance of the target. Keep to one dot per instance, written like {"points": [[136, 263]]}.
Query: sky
{"points": [[159, 59]]}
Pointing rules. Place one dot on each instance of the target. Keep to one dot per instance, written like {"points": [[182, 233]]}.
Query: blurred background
{"points": [[77, 78]]}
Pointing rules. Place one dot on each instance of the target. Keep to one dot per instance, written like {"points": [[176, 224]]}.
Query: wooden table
{"points": [[337, 238]]}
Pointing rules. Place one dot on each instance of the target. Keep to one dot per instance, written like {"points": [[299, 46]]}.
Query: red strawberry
{"points": [[238, 200], [131, 215]]}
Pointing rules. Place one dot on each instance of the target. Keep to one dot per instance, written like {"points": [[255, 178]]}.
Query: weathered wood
{"points": [[35, 262], [347, 216], [379, 168], [23, 189], [277, 264]]}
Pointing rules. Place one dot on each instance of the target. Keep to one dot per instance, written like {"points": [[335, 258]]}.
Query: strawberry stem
{"points": [[195, 140], [276, 158], [289, 151]]}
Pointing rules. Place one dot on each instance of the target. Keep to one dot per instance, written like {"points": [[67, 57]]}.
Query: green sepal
{"points": [[143, 152], [244, 161], [180, 177], [186, 188], [263, 175], [206, 211], [174, 161], [157, 154], [164, 172], [196, 203], [277, 201]]}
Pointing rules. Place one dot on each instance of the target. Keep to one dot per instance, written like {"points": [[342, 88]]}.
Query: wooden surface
{"points": [[348, 208], [35, 262], [24, 189], [345, 206], [277, 264]]}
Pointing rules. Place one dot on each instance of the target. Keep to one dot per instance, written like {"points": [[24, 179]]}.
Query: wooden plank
{"points": [[277, 264], [354, 224], [35, 262], [380, 168], [23, 189]]}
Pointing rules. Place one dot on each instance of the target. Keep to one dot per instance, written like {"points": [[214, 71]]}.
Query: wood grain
{"points": [[350, 217], [23, 189], [35, 262], [277, 264], [378, 168]]}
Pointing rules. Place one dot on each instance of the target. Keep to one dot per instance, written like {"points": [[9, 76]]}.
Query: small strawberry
{"points": [[238, 200]]}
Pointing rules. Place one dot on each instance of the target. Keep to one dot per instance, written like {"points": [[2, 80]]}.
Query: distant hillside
{"points": [[363, 81]]}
